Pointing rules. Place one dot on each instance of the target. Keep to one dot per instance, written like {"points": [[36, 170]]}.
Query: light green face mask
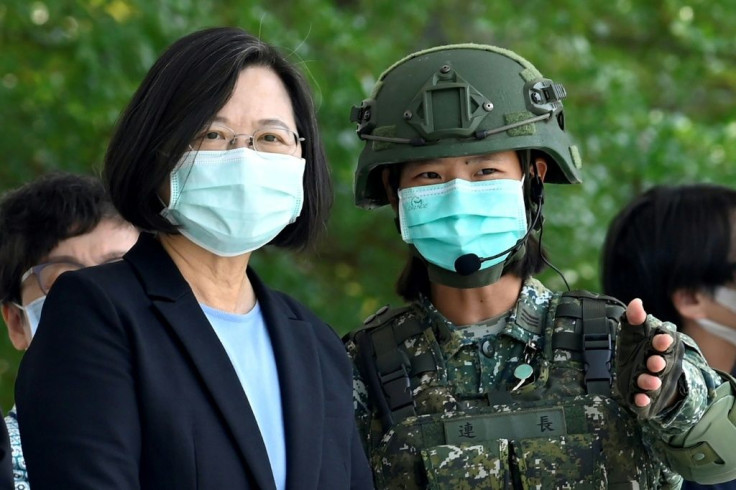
{"points": [[448, 221], [236, 201]]}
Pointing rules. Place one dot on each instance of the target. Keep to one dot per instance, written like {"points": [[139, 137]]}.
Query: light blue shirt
{"points": [[247, 343]]}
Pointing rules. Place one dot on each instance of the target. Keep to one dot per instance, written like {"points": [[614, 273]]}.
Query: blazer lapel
{"points": [[302, 391], [175, 301]]}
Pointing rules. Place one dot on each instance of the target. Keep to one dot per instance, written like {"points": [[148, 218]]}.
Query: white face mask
{"points": [[33, 313], [233, 202], [725, 297]]}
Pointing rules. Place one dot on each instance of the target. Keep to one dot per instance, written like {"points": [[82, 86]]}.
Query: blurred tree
{"points": [[650, 84]]}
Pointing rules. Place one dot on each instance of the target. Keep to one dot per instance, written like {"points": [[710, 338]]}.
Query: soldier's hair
{"points": [[35, 217], [671, 238]]}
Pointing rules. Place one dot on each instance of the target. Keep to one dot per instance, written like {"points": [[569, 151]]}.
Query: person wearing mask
{"points": [[177, 367], [486, 378], [675, 248], [6, 458], [56, 223]]}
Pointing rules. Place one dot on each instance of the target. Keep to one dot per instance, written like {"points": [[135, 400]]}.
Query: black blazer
{"points": [[127, 386]]}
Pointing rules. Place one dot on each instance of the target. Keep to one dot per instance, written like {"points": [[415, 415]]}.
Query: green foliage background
{"points": [[651, 89]]}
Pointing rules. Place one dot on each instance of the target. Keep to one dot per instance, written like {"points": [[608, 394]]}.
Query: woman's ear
{"points": [[541, 168], [18, 330], [689, 303], [393, 199]]}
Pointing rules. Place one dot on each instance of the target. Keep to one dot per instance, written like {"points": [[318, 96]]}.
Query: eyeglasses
{"points": [[219, 137], [47, 273]]}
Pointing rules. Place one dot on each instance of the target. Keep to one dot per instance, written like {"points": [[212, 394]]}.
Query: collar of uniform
{"points": [[451, 336], [527, 319], [442, 327]]}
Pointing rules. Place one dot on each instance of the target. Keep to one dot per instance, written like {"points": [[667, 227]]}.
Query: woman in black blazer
{"points": [[177, 368]]}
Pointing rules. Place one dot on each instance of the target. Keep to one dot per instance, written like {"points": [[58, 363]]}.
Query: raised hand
{"points": [[648, 362]]}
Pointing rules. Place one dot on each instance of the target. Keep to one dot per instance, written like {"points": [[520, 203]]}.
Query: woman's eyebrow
{"points": [[273, 122], [260, 122]]}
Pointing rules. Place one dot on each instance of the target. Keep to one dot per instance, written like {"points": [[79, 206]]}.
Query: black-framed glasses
{"points": [[273, 139], [47, 273]]}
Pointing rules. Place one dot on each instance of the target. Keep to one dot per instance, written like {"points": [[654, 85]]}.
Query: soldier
{"points": [[487, 379]]}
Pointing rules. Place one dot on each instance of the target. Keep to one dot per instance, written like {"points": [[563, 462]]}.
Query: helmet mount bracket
{"points": [[447, 106]]}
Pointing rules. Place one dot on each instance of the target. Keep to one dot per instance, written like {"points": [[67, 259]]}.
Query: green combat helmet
{"points": [[464, 99]]}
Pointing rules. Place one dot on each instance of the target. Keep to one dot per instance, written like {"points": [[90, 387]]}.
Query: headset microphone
{"points": [[470, 263]]}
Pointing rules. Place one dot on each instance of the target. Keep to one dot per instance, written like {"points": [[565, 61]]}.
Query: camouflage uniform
{"points": [[462, 435]]}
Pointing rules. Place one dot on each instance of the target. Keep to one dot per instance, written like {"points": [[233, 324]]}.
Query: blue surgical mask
{"points": [[236, 201], [446, 221], [33, 313]]}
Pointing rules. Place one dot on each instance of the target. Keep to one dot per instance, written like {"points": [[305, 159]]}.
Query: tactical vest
{"points": [[559, 429]]}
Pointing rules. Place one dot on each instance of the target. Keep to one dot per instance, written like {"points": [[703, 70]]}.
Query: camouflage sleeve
{"points": [[698, 385], [360, 397], [704, 452]]}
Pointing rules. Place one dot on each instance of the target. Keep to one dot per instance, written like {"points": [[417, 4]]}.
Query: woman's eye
{"points": [[213, 135], [271, 138], [429, 175], [487, 171]]}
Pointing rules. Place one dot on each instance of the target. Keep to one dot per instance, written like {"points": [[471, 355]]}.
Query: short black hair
{"points": [[180, 95], [670, 238], [35, 217]]}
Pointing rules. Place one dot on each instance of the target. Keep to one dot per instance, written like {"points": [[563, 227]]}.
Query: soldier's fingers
{"points": [[662, 341], [635, 313], [647, 382], [641, 400], [656, 364]]}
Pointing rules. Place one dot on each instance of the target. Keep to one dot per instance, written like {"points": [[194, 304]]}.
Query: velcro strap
{"points": [[423, 363], [393, 367], [397, 388], [409, 328], [571, 341], [388, 356], [572, 310]]}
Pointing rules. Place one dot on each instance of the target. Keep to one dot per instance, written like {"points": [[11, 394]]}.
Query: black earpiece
{"points": [[537, 190]]}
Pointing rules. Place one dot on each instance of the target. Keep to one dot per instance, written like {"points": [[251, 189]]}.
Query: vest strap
{"points": [[597, 347], [596, 318], [386, 367]]}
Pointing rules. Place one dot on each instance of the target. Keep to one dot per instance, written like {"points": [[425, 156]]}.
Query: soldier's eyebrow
{"points": [[488, 157]]}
